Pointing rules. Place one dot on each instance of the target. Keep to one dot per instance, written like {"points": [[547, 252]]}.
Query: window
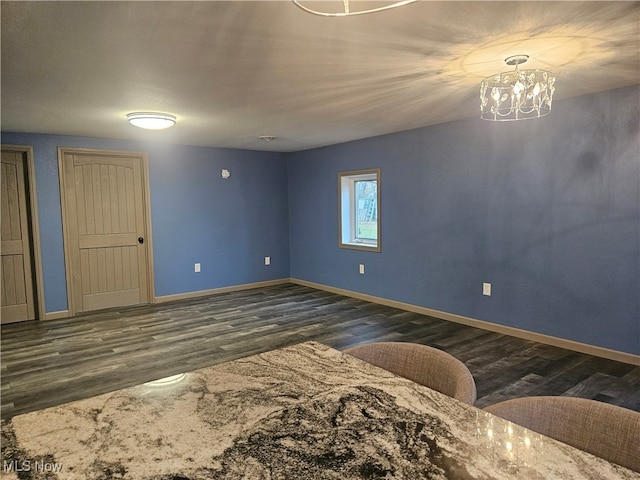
{"points": [[359, 196]]}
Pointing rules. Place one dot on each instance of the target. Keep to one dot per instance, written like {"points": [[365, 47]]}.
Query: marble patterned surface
{"points": [[301, 412]]}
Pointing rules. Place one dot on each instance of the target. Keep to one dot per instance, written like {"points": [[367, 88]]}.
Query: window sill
{"points": [[360, 246]]}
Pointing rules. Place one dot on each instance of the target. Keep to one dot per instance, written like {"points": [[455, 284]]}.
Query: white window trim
{"points": [[346, 209]]}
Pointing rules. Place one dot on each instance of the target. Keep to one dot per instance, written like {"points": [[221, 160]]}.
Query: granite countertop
{"points": [[301, 412]]}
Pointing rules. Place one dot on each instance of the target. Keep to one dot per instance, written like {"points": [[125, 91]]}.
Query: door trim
{"points": [[62, 151], [36, 259]]}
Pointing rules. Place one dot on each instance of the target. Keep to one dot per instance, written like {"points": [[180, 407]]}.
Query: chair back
{"points": [[602, 429], [422, 364]]}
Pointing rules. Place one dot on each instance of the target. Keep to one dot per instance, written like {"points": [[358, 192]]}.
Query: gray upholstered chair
{"points": [[605, 430], [425, 365]]}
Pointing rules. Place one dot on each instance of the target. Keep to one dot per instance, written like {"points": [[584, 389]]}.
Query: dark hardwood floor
{"points": [[52, 362]]}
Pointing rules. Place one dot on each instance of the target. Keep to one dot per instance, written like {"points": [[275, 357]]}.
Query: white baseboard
{"points": [[213, 291], [56, 315], [493, 327]]}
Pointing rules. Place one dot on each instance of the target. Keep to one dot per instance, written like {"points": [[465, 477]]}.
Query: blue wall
{"points": [[546, 210], [228, 226]]}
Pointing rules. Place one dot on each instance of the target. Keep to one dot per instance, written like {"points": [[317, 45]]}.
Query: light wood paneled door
{"points": [[105, 218], [17, 268]]}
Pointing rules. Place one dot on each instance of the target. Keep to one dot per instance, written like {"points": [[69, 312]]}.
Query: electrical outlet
{"points": [[267, 260], [362, 269], [486, 289]]}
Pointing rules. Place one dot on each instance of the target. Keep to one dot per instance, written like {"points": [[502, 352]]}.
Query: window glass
{"points": [[366, 203], [359, 209]]}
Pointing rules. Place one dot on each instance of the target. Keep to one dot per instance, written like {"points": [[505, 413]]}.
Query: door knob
{"points": [[140, 240]]}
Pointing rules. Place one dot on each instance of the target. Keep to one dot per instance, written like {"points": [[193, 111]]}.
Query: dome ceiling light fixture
{"points": [[518, 94], [151, 120], [347, 10]]}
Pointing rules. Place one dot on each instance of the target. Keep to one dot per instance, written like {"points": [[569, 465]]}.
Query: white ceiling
{"points": [[232, 71]]}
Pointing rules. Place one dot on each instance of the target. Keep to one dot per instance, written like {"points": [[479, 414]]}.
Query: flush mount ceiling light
{"points": [[516, 95], [151, 120], [347, 10], [266, 138]]}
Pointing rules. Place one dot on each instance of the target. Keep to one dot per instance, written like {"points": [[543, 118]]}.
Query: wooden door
{"points": [[17, 268], [105, 222]]}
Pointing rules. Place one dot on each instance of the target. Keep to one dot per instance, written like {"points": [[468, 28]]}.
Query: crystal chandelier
{"points": [[347, 10], [516, 95]]}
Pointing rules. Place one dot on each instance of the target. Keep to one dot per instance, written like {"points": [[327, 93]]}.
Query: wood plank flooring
{"points": [[53, 362]]}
